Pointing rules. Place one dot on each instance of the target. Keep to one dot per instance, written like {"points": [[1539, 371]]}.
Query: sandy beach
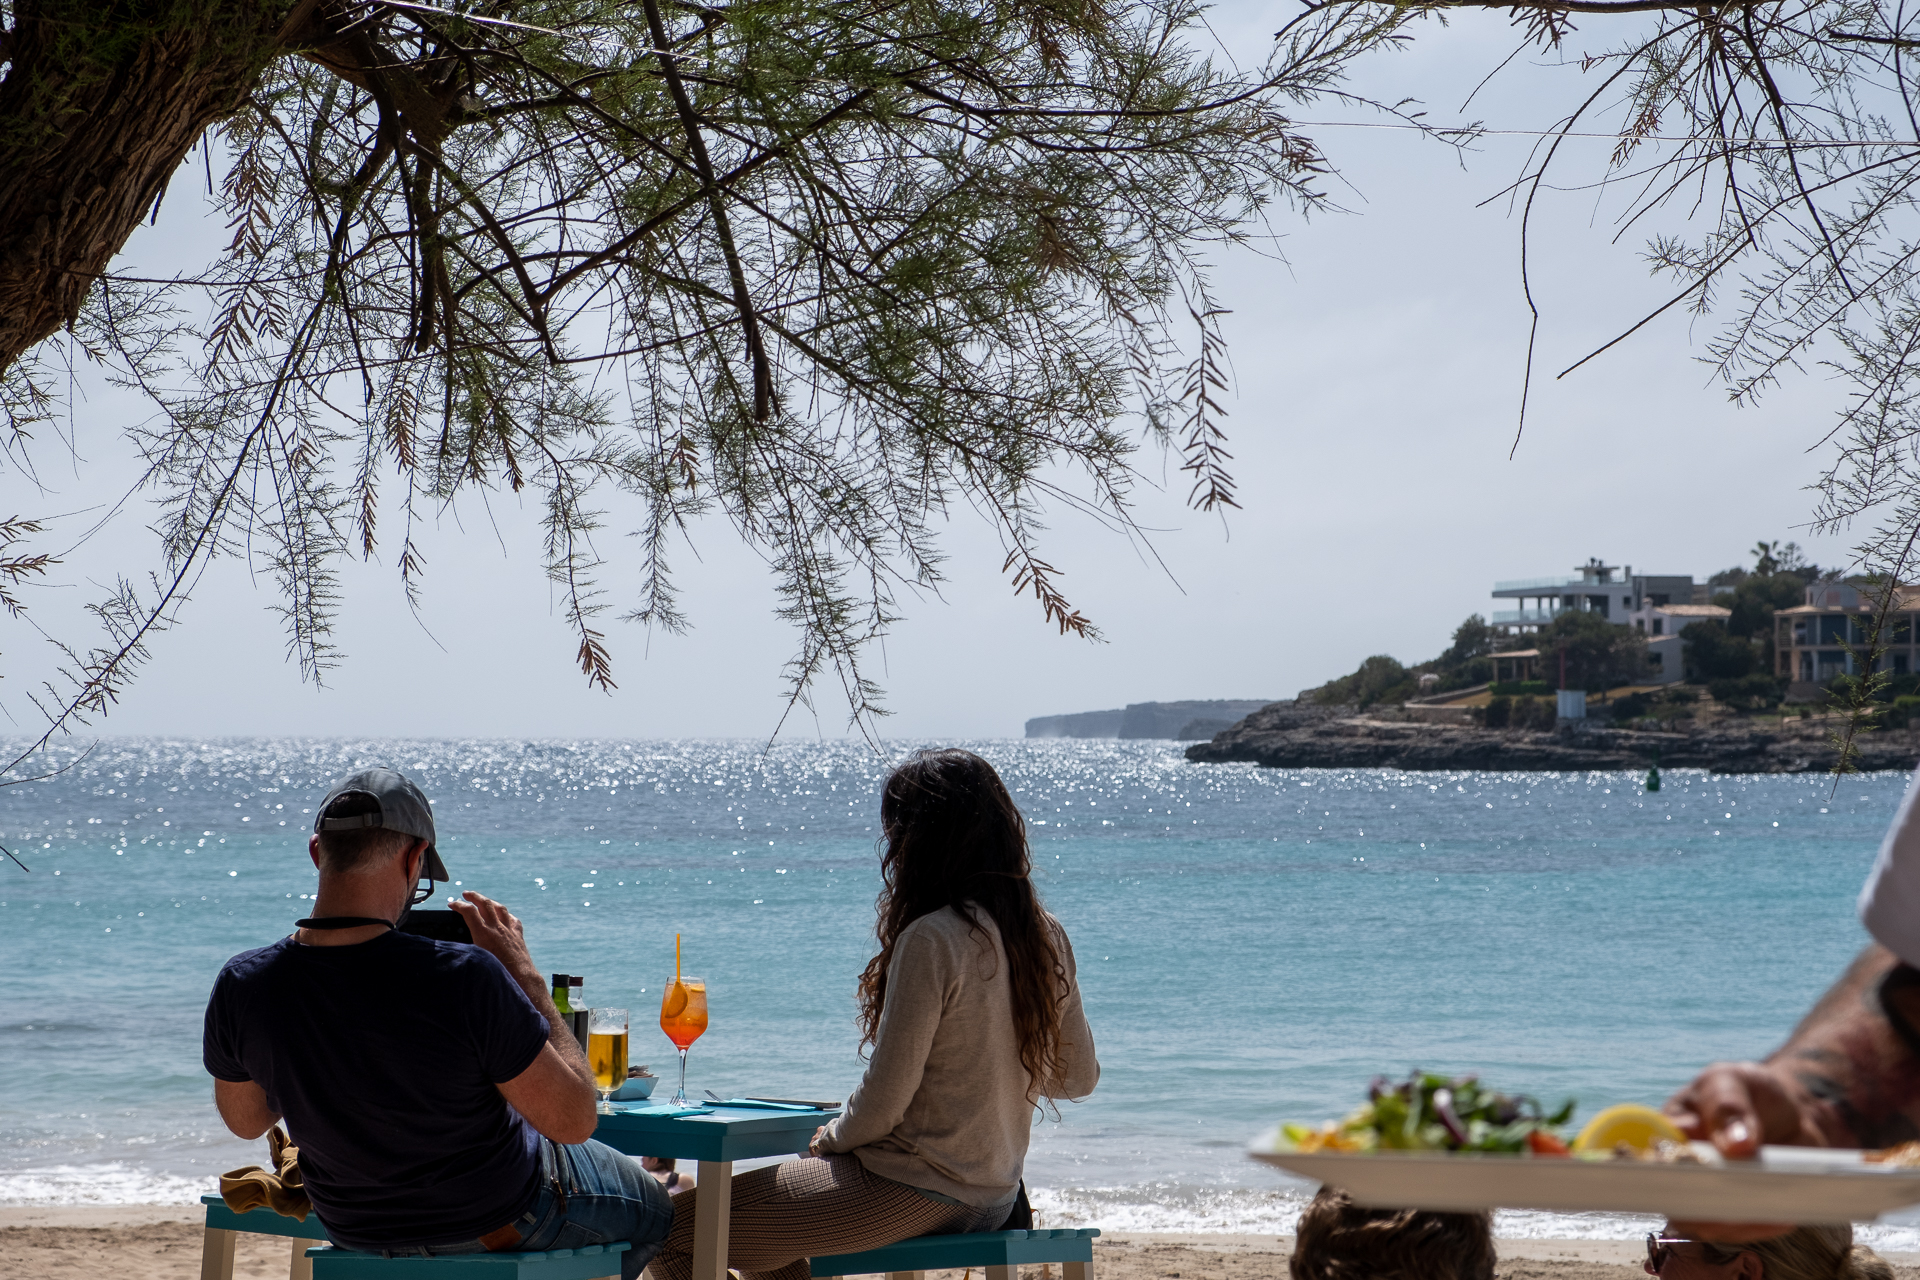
{"points": [[162, 1242]]}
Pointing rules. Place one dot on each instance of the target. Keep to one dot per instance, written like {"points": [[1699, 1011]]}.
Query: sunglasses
{"points": [[1661, 1250]]}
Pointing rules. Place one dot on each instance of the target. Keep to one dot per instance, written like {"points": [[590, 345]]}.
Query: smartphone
{"points": [[441, 926]]}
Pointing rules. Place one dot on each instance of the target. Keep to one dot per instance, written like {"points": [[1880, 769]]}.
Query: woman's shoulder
{"points": [[947, 922], [943, 924]]}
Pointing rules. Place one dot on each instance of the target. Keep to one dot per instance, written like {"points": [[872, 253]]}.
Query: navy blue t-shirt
{"points": [[383, 1057]]}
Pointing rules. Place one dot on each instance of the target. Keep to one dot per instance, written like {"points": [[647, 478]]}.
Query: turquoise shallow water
{"points": [[1254, 945]]}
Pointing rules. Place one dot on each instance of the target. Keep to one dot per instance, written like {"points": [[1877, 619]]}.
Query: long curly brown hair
{"points": [[954, 838]]}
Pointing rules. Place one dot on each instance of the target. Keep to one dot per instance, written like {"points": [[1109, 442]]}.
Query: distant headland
{"points": [[1305, 734], [1184, 721]]}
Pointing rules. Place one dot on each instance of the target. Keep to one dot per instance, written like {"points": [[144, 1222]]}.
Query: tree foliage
{"points": [[1711, 653], [1599, 654], [826, 269], [1380, 678]]}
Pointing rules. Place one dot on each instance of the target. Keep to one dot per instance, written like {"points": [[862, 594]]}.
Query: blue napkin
{"points": [[658, 1109]]}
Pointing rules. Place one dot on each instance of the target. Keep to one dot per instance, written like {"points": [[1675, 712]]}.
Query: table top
{"points": [[721, 1133]]}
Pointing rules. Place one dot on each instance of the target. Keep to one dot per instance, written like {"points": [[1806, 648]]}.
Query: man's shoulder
{"points": [[251, 963], [446, 955], [408, 953]]}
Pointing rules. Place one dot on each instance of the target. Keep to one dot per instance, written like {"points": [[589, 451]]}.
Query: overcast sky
{"points": [[1378, 372]]}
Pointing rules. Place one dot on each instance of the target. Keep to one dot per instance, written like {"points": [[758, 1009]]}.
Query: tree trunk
{"points": [[100, 105]]}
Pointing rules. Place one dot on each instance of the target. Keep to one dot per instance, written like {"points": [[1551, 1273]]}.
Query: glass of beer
{"points": [[683, 1016], [607, 1051]]}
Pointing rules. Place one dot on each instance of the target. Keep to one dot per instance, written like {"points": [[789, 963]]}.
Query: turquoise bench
{"points": [[593, 1262], [224, 1227], [998, 1252]]}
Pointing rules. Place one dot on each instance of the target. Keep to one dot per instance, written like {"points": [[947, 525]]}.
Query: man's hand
{"points": [[1740, 1105], [819, 1135], [556, 1093], [496, 931]]}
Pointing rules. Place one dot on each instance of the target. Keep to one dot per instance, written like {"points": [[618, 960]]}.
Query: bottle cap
{"points": [[560, 980], [576, 981]]}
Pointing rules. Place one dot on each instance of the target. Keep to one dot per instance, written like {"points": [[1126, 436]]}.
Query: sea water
{"points": [[1253, 945]]}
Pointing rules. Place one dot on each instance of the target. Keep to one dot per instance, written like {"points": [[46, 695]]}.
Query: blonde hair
{"points": [[1814, 1253]]}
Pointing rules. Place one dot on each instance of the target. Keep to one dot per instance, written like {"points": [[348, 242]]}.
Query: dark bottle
{"points": [[582, 1016]]}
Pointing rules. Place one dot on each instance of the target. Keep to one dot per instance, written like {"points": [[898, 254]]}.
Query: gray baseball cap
{"points": [[403, 808]]}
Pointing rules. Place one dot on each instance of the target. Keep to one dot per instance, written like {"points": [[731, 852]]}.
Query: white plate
{"points": [[1830, 1190]]}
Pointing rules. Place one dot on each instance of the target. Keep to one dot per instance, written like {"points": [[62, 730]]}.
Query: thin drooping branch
{"points": [[821, 274], [722, 228]]}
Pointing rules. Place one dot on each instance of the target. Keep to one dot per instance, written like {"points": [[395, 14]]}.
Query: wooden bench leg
{"points": [[216, 1254], [1002, 1273], [300, 1266], [712, 1219], [1077, 1270], [906, 1275]]}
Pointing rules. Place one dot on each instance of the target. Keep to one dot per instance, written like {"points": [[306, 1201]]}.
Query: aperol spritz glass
{"points": [[683, 1016]]}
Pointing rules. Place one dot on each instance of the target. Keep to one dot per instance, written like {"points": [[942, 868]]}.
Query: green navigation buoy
{"points": [[1653, 773]]}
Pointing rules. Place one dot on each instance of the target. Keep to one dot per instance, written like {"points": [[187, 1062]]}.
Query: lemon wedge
{"points": [[675, 1002], [1637, 1126]]}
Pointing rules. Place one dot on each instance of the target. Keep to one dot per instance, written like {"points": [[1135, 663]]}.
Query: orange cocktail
{"points": [[683, 1016]]}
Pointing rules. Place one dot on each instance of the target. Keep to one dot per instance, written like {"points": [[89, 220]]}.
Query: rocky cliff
{"points": [[1305, 736], [1183, 720]]}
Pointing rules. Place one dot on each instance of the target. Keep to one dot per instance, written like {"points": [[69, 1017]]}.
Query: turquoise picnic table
{"points": [[715, 1137]]}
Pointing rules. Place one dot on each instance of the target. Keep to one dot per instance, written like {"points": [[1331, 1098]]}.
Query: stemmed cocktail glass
{"points": [[683, 1016]]}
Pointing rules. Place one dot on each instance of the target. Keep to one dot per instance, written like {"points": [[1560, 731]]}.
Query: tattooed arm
{"points": [[1848, 1076]]}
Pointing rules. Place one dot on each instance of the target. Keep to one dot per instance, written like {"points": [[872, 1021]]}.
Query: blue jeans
{"points": [[590, 1194]]}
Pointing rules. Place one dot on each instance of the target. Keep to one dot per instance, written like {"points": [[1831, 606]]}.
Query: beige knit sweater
{"points": [[943, 1105]]}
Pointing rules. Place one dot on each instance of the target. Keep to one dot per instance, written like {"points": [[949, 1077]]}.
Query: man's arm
{"points": [[1848, 1075], [243, 1105], [555, 1094]]}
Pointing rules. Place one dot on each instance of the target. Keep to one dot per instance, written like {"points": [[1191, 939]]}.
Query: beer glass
{"points": [[607, 1051]]}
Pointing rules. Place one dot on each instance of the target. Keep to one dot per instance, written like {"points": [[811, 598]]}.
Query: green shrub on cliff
{"points": [[1379, 679], [1755, 692], [1901, 714], [1382, 679], [1505, 712]]}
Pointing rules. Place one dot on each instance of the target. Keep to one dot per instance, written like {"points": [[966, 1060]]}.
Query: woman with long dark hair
{"points": [[972, 1012]]}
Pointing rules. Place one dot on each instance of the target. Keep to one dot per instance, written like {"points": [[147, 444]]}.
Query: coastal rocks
{"points": [[1182, 720], [1304, 736]]}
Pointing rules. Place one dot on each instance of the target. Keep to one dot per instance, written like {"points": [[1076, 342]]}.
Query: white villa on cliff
{"points": [[1658, 605]]}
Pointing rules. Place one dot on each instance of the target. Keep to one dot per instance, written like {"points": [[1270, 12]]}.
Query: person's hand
{"points": [[819, 1136], [1740, 1105], [495, 930]]}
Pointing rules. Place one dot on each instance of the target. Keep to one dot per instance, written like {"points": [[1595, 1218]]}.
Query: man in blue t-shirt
{"points": [[439, 1103]]}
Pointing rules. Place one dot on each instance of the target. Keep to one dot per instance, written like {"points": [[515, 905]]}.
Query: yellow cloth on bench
{"points": [[279, 1189]]}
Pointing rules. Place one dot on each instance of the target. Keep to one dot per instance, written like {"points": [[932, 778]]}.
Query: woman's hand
{"points": [[819, 1135]]}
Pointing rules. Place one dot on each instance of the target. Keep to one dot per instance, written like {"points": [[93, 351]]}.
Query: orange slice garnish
{"points": [[675, 1002]]}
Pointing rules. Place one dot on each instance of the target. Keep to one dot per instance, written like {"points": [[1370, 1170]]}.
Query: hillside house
{"points": [[1827, 635], [1596, 589]]}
